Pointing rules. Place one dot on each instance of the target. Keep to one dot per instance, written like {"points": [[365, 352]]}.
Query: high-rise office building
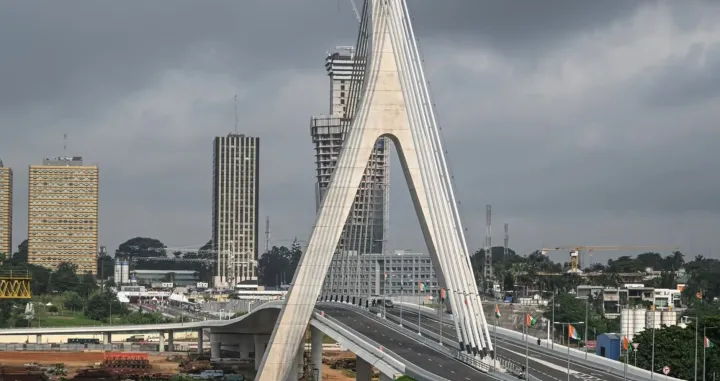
{"points": [[63, 213], [236, 196], [6, 197], [365, 229]]}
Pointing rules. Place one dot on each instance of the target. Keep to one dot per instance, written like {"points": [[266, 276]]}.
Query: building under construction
{"points": [[365, 229]]}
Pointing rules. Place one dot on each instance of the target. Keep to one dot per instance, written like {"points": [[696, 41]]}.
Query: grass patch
{"points": [[67, 319], [328, 340]]}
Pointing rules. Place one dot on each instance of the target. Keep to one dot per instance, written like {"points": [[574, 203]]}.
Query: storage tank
{"points": [[118, 273], [654, 318], [638, 322], [625, 319], [125, 272], [669, 318]]}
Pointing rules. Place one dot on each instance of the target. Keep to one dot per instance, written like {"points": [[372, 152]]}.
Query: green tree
{"points": [[141, 247], [278, 265], [73, 301], [105, 266], [21, 256], [65, 278], [102, 305], [675, 347], [87, 285]]}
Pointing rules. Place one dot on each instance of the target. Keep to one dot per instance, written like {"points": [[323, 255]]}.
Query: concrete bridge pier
{"points": [[316, 349], [38, 339], [161, 342], [200, 340], [215, 346], [246, 346], [171, 341], [363, 370], [107, 338]]}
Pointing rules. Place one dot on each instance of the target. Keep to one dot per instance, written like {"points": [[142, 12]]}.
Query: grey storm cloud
{"points": [[580, 122]]}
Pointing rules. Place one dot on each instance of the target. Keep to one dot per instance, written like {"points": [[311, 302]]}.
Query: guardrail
{"points": [[391, 365], [594, 361], [450, 352], [410, 369]]}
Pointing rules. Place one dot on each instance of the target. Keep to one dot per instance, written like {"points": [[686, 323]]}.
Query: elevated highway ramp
{"points": [[404, 345]]}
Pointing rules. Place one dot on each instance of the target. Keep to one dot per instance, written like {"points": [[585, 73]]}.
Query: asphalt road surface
{"points": [[541, 364], [405, 347]]}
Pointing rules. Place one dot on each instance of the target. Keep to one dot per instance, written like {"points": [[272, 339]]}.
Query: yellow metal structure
{"points": [[15, 285], [575, 252]]}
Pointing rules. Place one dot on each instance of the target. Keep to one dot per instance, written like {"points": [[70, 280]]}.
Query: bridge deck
{"points": [[404, 346], [552, 366]]}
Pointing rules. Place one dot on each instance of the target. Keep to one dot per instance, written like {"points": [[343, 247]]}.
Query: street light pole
{"points": [[568, 341], [586, 325], [552, 339]]}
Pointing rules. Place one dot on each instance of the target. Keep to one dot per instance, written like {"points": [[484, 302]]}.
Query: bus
{"points": [[75, 340]]}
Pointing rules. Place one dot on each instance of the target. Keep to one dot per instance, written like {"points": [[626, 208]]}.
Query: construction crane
{"points": [[575, 252]]}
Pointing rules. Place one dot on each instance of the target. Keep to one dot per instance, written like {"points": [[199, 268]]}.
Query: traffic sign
{"points": [[666, 370], [635, 346]]}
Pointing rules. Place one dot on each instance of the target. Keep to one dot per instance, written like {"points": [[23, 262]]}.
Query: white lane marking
{"points": [[545, 363]]}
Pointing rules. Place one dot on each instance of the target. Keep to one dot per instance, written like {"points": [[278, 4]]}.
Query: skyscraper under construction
{"points": [[366, 227]]}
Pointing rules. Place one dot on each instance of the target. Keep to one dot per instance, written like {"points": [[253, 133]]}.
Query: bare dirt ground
{"points": [[336, 374], [79, 360], [76, 360]]}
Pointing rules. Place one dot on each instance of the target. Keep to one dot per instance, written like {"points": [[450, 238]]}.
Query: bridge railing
{"points": [[410, 369], [448, 351], [613, 367]]}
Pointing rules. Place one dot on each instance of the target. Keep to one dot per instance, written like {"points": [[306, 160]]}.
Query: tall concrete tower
{"points": [[235, 208], [63, 197], [6, 197], [366, 227]]}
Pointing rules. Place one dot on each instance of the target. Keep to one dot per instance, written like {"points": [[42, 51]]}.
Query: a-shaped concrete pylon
{"points": [[394, 103]]}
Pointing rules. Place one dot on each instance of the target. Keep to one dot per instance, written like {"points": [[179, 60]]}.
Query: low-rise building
{"points": [[403, 274]]}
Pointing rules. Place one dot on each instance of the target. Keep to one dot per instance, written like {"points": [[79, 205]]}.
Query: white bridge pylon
{"points": [[394, 103]]}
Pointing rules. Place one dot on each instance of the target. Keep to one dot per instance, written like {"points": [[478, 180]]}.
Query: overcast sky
{"points": [[583, 123]]}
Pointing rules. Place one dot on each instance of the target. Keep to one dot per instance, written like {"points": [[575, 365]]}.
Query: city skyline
{"points": [[580, 125]]}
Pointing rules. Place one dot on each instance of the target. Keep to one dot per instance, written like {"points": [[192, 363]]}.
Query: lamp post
{"points": [[587, 303], [704, 336], [568, 343]]}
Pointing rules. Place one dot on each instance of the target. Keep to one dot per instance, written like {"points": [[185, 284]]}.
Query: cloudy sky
{"points": [[584, 123]]}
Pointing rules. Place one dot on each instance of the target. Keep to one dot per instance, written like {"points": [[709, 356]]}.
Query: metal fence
{"points": [[448, 351]]}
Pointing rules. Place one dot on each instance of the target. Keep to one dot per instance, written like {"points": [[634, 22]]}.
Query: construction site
{"points": [[114, 366]]}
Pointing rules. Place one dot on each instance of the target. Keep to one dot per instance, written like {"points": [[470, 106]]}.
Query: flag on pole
{"points": [[530, 321], [707, 343], [573, 333], [626, 343], [497, 312]]}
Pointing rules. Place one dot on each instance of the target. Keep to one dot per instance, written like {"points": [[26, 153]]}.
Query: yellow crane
{"points": [[576, 250], [15, 285]]}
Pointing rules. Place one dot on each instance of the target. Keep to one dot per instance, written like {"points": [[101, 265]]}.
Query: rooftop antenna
{"points": [[236, 117]]}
